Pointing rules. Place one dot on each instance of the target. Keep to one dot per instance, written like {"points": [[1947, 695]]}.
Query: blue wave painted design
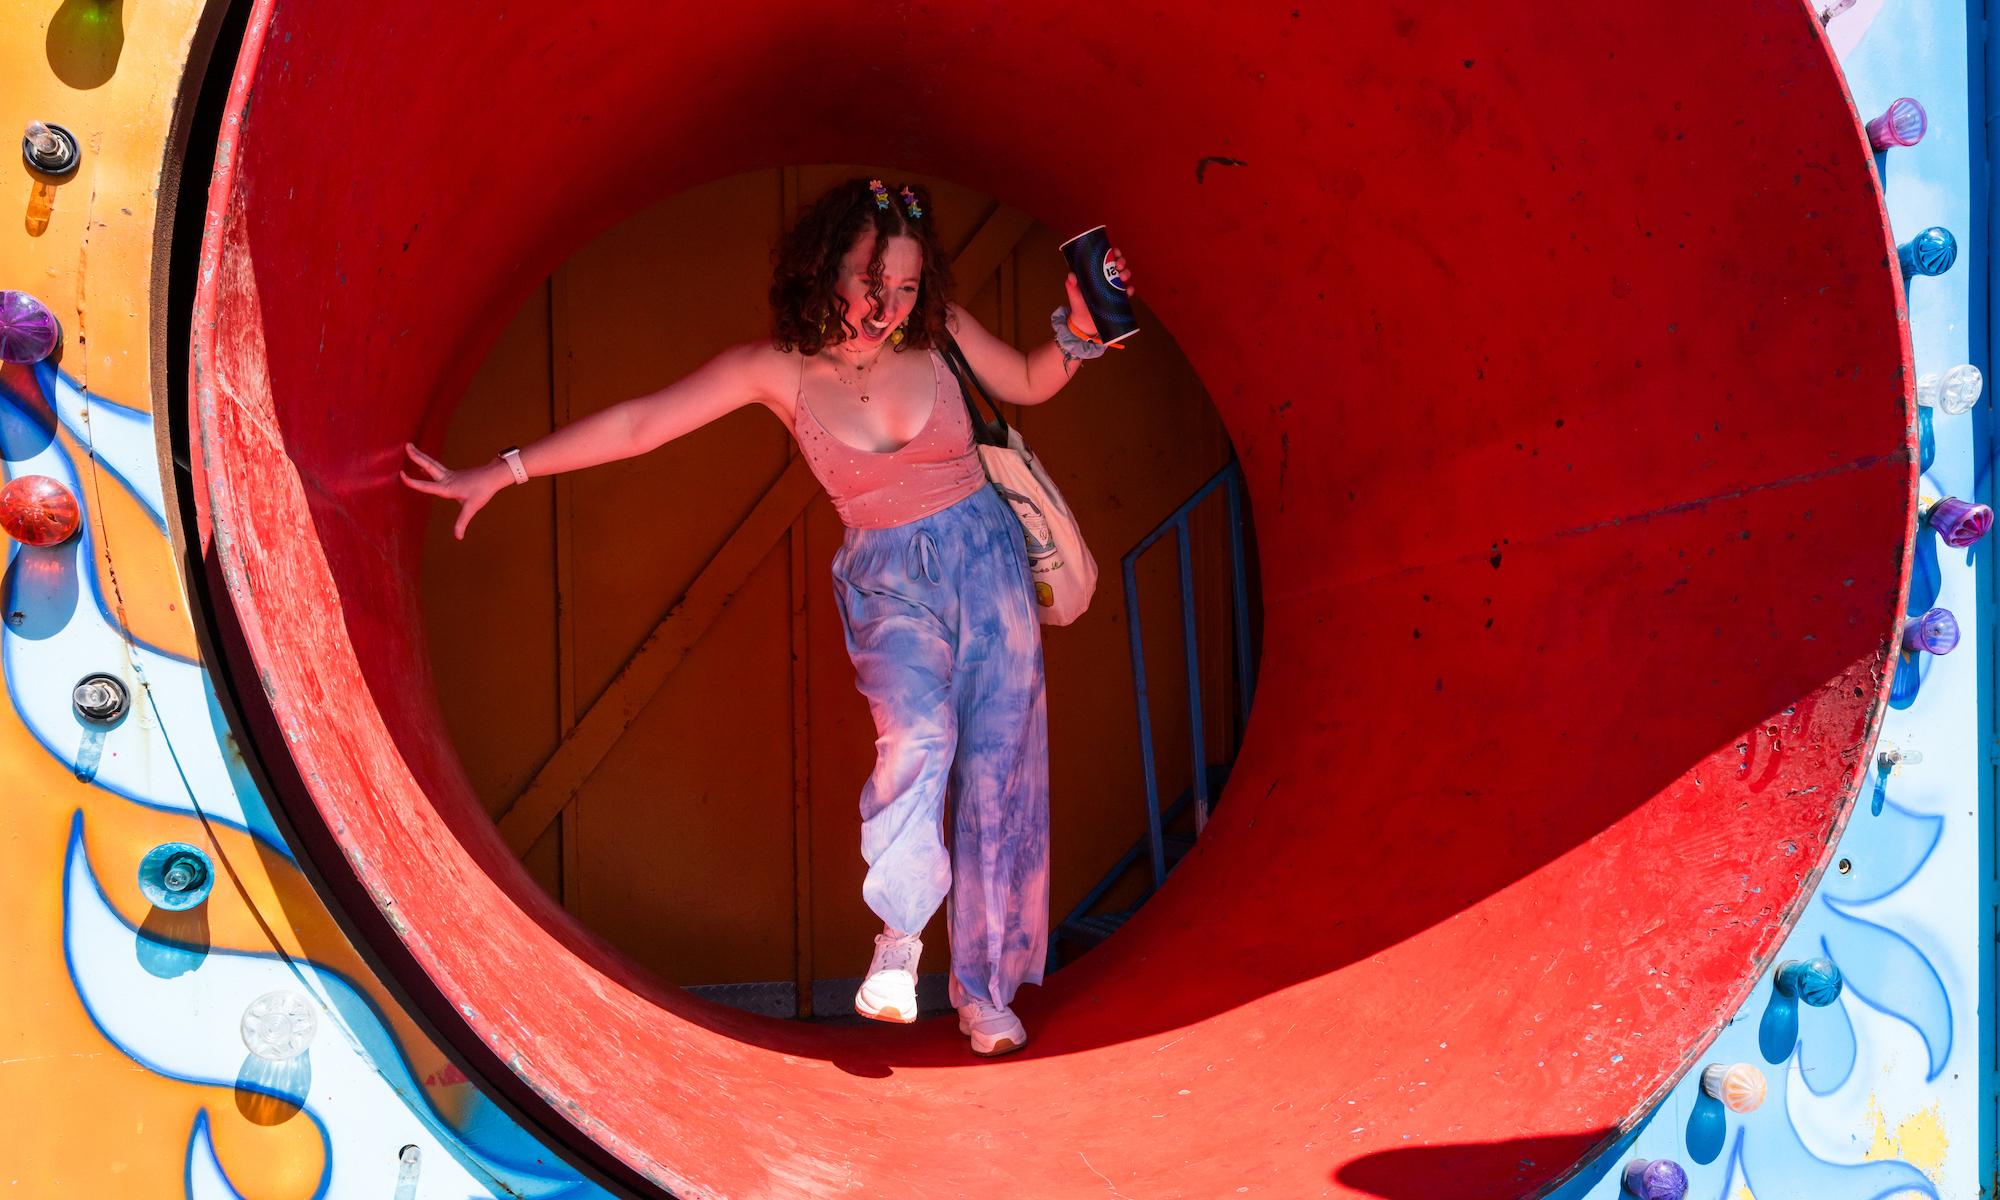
{"points": [[1899, 980], [141, 759], [1827, 1057], [1883, 967], [1899, 843], [1793, 1170], [165, 756], [353, 1084], [168, 753], [120, 439], [203, 1178], [29, 447]]}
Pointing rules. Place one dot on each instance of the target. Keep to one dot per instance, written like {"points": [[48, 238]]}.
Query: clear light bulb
{"points": [[49, 148], [279, 1025], [409, 1164], [1892, 758], [1951, 392], [41, 139]]}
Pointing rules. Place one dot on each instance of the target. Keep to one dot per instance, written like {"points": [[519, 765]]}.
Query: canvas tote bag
{"points": [[1064, 573]]}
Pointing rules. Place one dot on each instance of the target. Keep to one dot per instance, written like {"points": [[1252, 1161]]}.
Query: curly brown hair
{"points": [[806, 314]]}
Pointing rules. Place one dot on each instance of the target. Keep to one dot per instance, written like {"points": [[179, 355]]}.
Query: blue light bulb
{"points": [[1929, 253], [1814, 980], [175, 876]]}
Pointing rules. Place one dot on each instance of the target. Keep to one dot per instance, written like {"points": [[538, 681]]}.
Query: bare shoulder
{"points": [[768, 374]]}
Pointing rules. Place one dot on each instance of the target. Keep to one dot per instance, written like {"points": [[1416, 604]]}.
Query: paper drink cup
{"points": [[1089, 255]]}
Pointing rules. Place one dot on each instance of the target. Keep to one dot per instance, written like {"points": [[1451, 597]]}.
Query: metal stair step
{"points": [[1095, 927]]}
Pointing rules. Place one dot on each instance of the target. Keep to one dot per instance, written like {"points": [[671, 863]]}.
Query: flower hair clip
{"points": [[881, 193], [914, 205]]}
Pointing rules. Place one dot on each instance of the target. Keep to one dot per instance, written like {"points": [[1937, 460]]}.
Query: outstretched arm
{"points": [[1026, 378], [629, 428]]}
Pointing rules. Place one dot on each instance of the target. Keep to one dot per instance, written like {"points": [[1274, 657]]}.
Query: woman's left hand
{"points": [[1079, 312]]}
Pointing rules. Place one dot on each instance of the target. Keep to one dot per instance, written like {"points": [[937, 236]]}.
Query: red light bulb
{"points": [[38, 511]]}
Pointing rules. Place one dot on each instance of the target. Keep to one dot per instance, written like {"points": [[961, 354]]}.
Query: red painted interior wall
{"points": [[1565, 359]]}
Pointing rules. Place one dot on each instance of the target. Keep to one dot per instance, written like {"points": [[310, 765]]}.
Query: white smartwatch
{"points": [[512, 457]]}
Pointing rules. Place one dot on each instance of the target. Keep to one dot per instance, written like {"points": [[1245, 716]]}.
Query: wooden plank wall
{"points": [[718, 841]]}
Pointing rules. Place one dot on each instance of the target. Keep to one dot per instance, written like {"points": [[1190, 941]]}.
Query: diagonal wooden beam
{"points": [[996, 239], [555, 786], [566, 771]]}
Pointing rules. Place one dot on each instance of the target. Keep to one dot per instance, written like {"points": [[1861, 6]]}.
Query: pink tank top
{"points": [[875, 489]]}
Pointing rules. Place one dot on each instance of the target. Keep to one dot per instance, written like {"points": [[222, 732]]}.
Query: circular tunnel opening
{"points": [[681, 745], [1572, 406]]}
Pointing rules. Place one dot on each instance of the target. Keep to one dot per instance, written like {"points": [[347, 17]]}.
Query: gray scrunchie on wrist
{"points": [[1072, 345]]}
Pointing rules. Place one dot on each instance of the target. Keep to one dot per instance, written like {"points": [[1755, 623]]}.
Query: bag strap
{"points": [[968, 386]]}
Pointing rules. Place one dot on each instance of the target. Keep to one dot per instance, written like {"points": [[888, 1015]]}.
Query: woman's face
{"points": [[902, 269]]}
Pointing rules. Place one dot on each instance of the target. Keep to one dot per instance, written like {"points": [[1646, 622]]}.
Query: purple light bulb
{"points": [[1960, 524], [1660, 1179], [1903, 124], [28, 330], [1936, 632]]}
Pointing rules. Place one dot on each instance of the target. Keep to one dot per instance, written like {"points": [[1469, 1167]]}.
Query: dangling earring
{"points": [[896, 338]]}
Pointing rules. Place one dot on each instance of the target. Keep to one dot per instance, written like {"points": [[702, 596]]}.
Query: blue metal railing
{"points": [[1082, 924], [1229, 480]]}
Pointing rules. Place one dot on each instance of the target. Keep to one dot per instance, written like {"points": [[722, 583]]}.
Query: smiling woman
{"points": [[1489, 871], [715, 841], [949, 656]]}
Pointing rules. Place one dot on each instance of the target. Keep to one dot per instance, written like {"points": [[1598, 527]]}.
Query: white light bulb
{"points": [[1951, 392], [279, 1025]]}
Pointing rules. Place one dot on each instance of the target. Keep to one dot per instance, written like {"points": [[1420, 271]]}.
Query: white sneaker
{"points": [[993, 1028], [890, 991]]}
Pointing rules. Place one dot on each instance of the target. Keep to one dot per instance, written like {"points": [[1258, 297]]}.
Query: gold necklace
{"points": [[860, 369]]}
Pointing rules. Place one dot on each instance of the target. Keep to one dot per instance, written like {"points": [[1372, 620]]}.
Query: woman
{"points": [[931, 579]]}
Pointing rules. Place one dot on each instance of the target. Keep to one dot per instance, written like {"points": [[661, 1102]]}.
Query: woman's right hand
{"points": [[472, 487]]}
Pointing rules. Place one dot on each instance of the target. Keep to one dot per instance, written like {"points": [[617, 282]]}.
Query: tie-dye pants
{"points": [[940, 621]]}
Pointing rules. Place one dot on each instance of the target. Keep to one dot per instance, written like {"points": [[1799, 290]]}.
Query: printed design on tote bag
{"points": [[1035, 530], [1040, 540]]}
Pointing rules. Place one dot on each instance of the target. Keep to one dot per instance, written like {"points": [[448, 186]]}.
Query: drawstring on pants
{"points": [[923, 562]]}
